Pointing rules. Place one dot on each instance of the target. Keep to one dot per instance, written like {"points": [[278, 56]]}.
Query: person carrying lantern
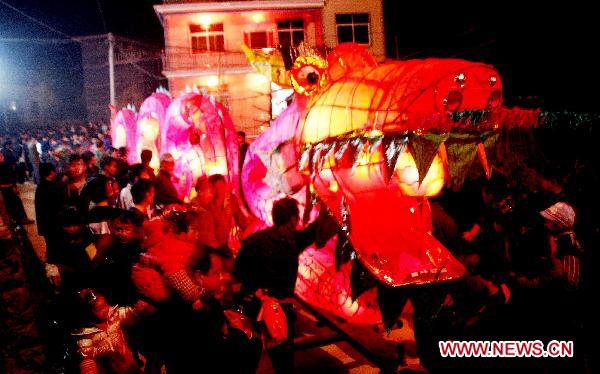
{"points": [[267, 267]]}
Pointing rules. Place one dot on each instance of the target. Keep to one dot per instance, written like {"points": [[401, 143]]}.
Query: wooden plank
{"points": [[364, 338]]}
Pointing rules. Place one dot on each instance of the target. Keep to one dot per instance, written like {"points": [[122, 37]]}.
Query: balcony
{"points": [[174, 61]]}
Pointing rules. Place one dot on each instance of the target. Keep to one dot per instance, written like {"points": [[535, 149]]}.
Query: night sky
{"points": [[545, 52]]}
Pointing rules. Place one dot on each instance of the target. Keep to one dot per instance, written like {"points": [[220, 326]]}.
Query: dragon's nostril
{"points": [[495, 100], [453, 101]]}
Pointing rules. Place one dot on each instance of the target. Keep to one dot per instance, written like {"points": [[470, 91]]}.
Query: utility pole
{"points": [[111, 67]]}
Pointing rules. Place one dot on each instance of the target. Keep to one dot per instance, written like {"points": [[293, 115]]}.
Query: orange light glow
{"points": [[212, 81], [258, 17], [408, 176], [205, 20], [258, 79]]}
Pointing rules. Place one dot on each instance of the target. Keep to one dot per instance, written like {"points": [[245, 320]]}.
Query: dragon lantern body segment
{"points": [[200, 135], [124, 131], [151, 120]]}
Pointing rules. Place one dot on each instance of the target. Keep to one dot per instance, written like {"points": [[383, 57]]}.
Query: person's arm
{"points": [[321, 230], [206, 230]]}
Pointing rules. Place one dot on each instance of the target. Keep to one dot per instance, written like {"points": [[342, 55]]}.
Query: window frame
{"points": [[290, 29], [206, 34], [353, 25], [269, 34]]}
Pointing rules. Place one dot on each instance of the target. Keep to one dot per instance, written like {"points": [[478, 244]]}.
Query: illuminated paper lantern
{"points": [[200, 135], [124, 131], [266, 170], [408, 177], [150, 123], [365, 105]]}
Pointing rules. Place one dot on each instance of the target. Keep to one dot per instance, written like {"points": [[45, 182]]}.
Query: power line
{"points": [[37, 40], [101, 15], [34, 19]]}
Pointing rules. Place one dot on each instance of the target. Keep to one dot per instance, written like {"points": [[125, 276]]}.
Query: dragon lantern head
{"points": [[356, 145]]}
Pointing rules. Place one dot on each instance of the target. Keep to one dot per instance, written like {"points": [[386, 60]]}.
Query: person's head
{"points": [[112, 152], [142, 192], [241, 138], [122, 152], [559, 217], [180, 222], [167, 163], [75, 166], [205, 191], [219, 185], [146, 156], [8, 144], [47, 171], [88, 158], [99, 144], [285, 213], [109, 166], [100, 189], [137, 172], [494, 190], [95, 304], [126, 227]]}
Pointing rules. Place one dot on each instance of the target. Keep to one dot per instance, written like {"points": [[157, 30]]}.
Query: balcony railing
{"points": [[209, 60]]}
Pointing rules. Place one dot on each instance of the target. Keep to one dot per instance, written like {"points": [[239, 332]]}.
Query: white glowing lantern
{"points": [[121, 137], [149, 132]]}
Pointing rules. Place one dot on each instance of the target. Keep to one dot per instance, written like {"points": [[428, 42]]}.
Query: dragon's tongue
{"points": [[391, 235]]}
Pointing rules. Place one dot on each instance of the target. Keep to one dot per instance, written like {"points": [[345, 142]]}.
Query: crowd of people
{"points": [[142, 280]]}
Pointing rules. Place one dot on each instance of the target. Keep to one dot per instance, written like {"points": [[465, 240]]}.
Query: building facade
{"points": [[203, 42]]}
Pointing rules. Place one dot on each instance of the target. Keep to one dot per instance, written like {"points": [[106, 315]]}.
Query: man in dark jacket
{"points": [[165, 192], [268, 261], [50, 198], [10, 193]]}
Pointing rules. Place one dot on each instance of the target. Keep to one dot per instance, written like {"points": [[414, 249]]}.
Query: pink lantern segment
{"points": [[270, 169], [177, 142], [124, 131], [200, 135], [324, 287], [233, 155], [150, 123]]}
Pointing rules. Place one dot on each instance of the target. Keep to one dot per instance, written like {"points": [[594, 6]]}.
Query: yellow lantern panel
{"points": [[407, 176]]}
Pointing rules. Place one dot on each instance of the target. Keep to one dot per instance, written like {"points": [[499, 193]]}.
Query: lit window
{"points": [[258, 39], [207, 38], [290, 32], [353, 28]]}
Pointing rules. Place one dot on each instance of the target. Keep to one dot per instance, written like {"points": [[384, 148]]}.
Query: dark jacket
{"points": [[268, 259], [50, 199], [164, 190]]}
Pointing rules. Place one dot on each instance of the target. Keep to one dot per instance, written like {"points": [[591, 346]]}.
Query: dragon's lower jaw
{"points": [[392, 238]]}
